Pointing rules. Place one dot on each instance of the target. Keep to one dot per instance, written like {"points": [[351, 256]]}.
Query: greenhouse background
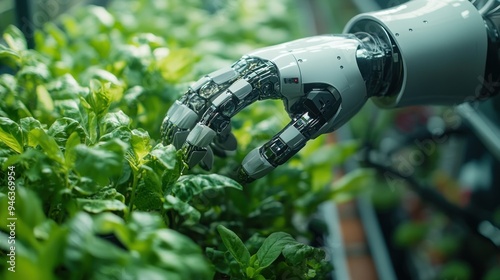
{"points": [[84, 87]]}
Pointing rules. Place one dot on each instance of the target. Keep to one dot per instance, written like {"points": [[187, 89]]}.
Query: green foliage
{"points": [[278, 254], [235, 246], [81, 248], [10, 134], [97, 194]]}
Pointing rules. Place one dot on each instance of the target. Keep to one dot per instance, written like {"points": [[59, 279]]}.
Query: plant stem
{"points": [[132, 196]]}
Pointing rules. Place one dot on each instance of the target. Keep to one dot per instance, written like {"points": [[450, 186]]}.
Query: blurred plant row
{"points": [[97, 194], [426, 211]]}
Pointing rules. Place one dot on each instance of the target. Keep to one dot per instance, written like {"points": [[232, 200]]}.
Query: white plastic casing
{"points": [[326, 60], [443, 46]]}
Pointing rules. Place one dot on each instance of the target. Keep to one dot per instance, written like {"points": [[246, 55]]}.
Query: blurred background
{"points": [[429, 215]]}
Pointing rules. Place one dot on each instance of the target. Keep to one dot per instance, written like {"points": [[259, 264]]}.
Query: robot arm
{"points": [[422, 52], [317, 78]]}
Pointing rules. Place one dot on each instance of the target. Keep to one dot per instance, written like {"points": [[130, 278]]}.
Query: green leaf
{"points": [[123, 133], [69, 108], [166, 155], [44, 99], [148, 272], [66, 87], [84, 249], [268, 208], [133, 95], [11, 134], [52, 252], [103, 76], [190, 214], [28, 209], [92, 127], [62, 128], [190, 185], [141, 146], [28, 124], [9, 54], [38, 137], [15, 38], [112, 121], [149, 193], [69, 150], [271, 248], [169, 245], [297, 253], [144, 223], [102, 15], [100, 162], [177, 64], [8, 82], [107, 223], [235, 246], [250, 272], [59, 36], [102, 44], [99, 98], [167, 159], [98, 206], [108, 193], [217, 258], [38, 72], [149, 39], [31, 156]]}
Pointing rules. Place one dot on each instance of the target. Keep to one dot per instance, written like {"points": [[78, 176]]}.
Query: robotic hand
{"points": [[422, 52], [317, 78]]}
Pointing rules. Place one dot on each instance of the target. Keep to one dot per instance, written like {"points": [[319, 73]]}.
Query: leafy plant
{"points": [[79, 249], [97, 193], [278, 254]]}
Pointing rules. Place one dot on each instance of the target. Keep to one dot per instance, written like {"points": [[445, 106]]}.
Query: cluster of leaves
{"points": [[79, 121], [89, 160], [295, 260], [101, 246], [144, 74], [235, 27]]}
